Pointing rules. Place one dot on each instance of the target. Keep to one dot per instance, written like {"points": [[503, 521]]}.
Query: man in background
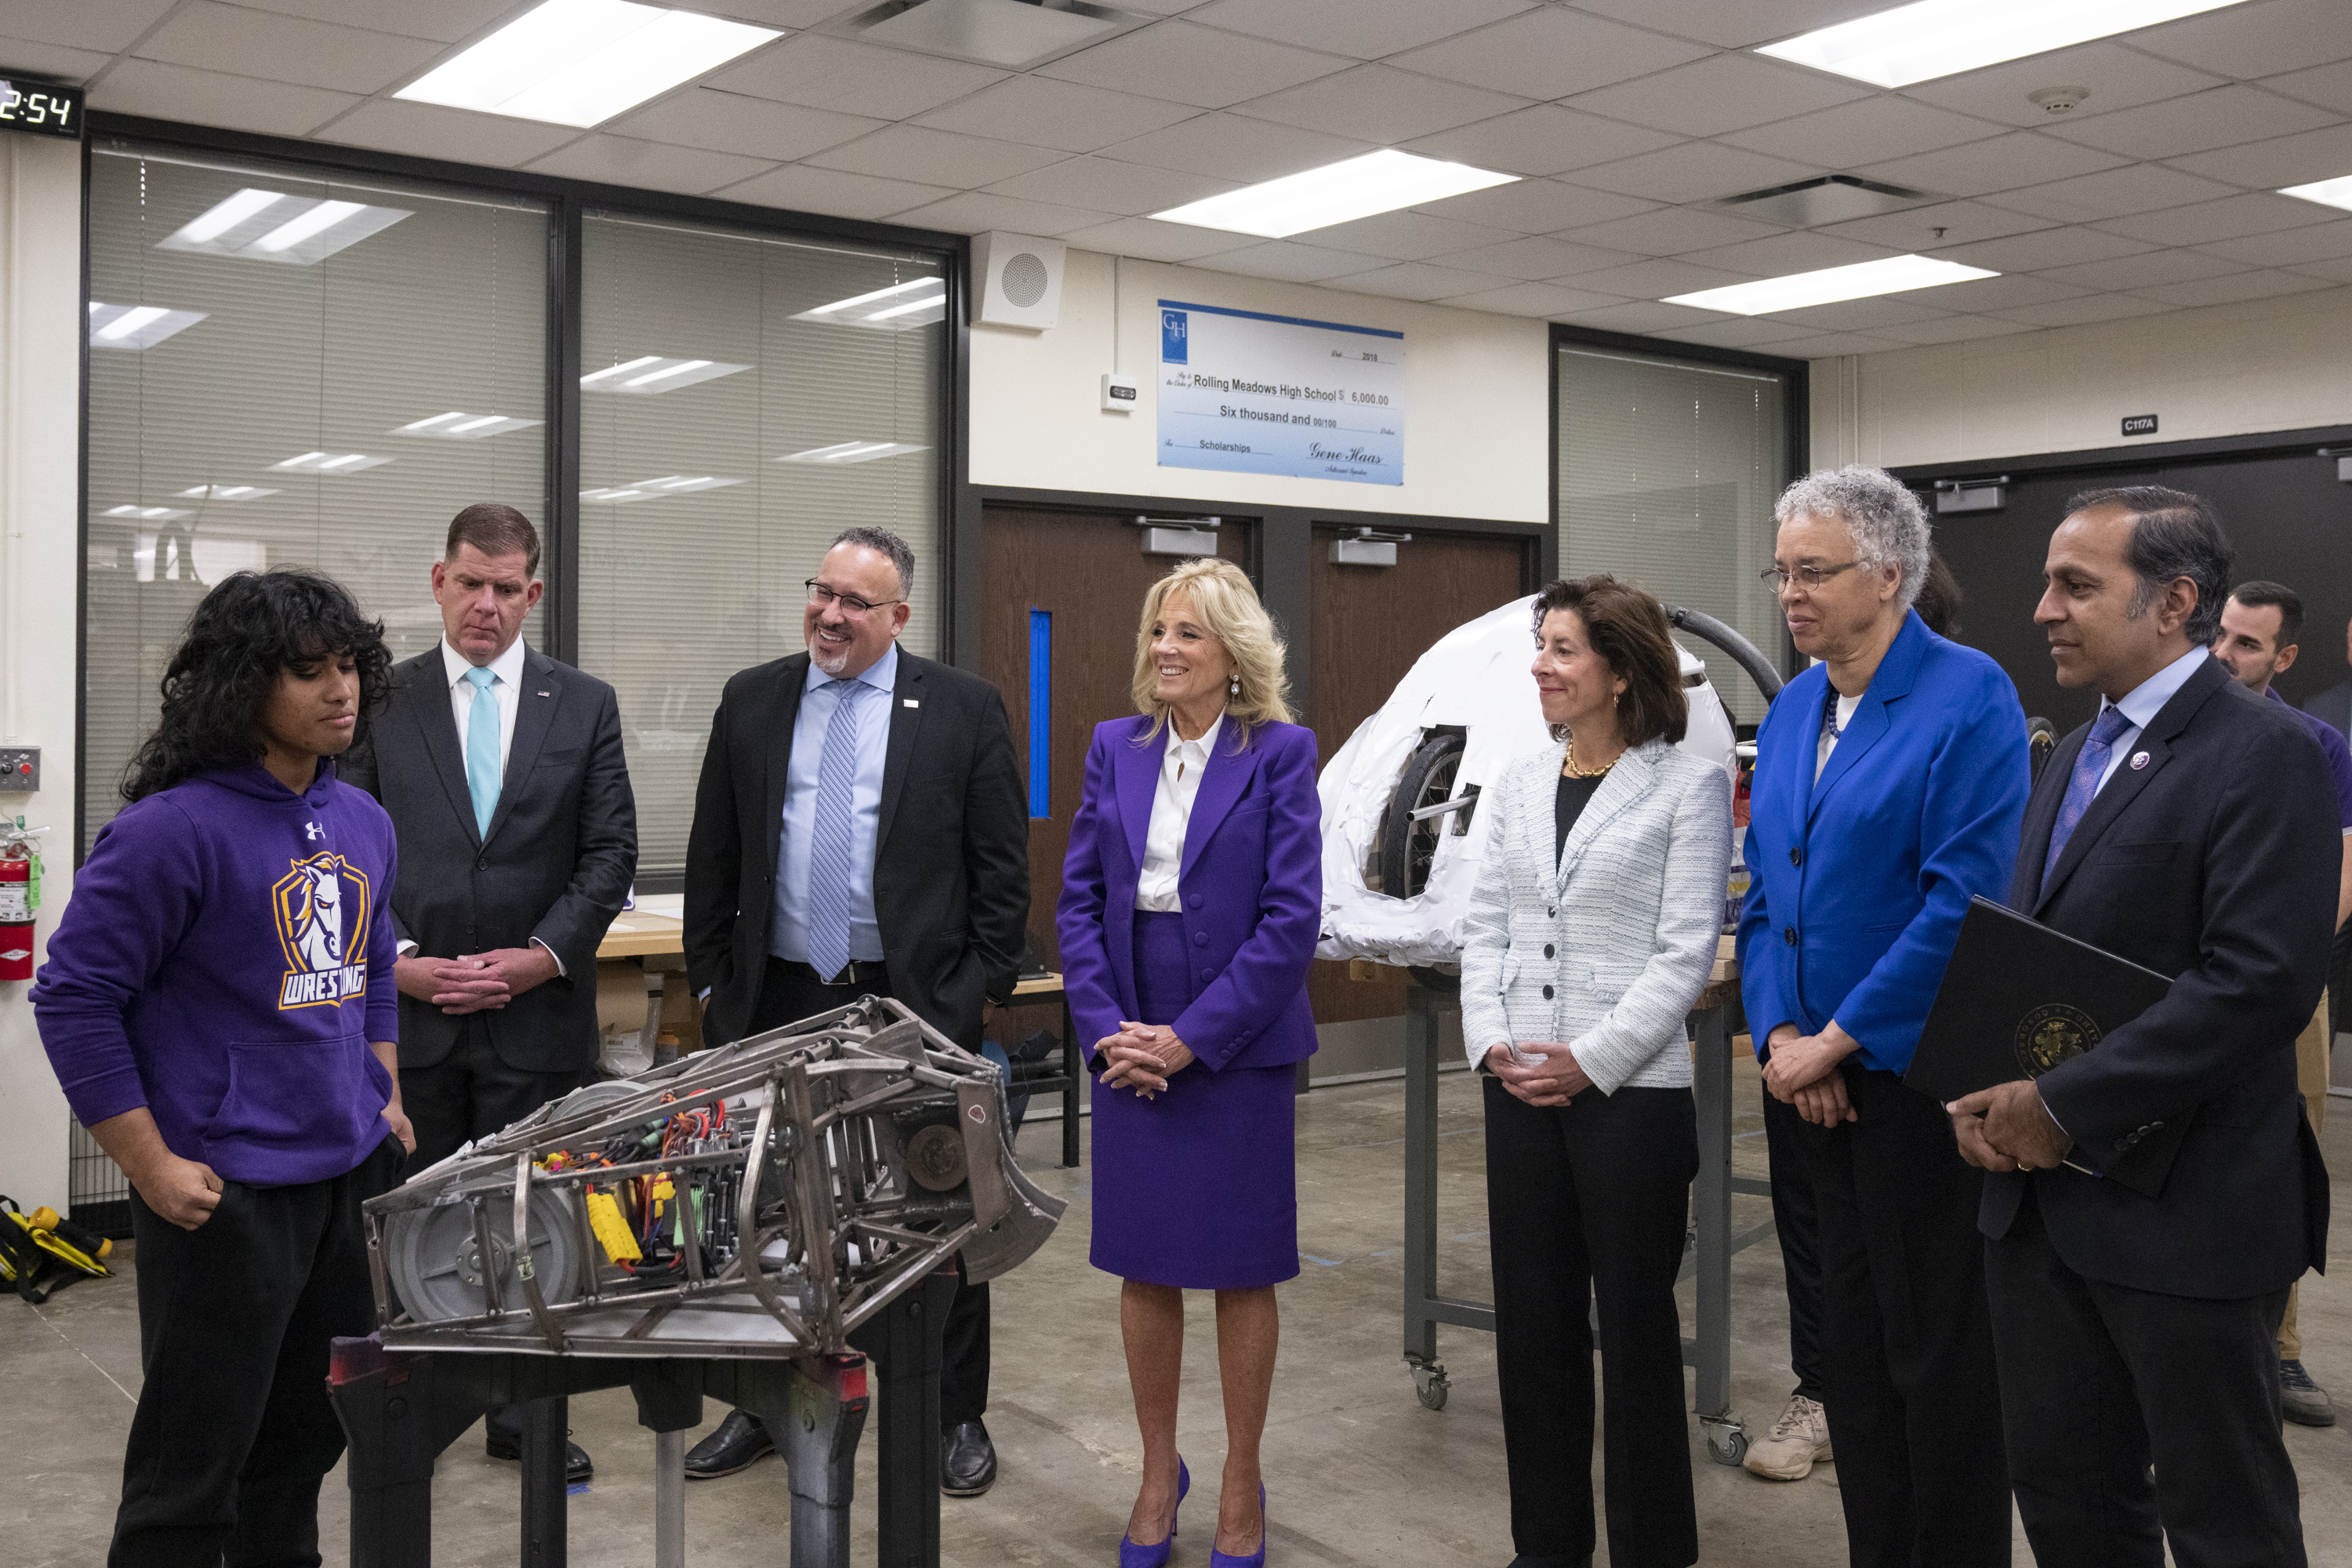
{"points": [[860, 828], [503, 775], [2259, 627]]}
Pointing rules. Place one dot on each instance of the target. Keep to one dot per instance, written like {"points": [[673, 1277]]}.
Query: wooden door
{"points": [[1370, 624]]}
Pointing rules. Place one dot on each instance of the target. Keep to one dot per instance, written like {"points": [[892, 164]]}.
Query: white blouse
{"points": [[1172, 811]]}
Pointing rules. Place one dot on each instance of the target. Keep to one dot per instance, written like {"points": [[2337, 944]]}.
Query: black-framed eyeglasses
{"points": [[1807, 577], [819, 594]]}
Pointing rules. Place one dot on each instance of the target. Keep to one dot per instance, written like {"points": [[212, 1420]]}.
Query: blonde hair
{"points": [[1228, 608]]}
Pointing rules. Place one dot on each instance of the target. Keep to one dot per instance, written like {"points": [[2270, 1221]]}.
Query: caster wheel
{"points": [[1727, 1444], [1430, 1384]]}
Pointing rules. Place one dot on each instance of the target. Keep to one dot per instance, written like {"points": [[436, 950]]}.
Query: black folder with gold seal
{"points": [[2018, 999]]}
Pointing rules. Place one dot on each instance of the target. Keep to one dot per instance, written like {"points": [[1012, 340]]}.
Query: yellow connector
{"points": [[612, 1230]]}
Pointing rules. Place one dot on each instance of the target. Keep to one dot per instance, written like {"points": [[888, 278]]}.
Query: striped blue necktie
{"points": [[482, 766], [829, 842]]}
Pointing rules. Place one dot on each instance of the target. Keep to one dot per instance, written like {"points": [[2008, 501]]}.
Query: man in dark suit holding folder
{"points": [[2188, 830]]}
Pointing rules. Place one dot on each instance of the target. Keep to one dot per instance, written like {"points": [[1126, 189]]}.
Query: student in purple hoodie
{"points": [[218, 1003]]}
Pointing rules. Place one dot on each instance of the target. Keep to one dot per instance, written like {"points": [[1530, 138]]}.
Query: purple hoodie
{"points": [[225, 959]]}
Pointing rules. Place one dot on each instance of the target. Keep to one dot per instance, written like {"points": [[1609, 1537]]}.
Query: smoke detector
{"points": [[2058, 99]]}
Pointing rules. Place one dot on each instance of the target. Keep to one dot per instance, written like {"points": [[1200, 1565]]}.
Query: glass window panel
{"points": [[1668, 470], [744, 398], [259, 337]]}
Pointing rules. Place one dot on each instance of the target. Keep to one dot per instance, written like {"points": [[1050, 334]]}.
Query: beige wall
{"points": [[2282, 364], [1475, 406], [40, 406]]}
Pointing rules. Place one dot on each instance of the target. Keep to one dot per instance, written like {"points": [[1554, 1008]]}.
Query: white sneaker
{"points": [[1799, 1440]]}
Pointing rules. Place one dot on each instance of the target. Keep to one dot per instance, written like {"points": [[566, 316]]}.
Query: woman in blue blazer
{"points": [[1191, 898], [1890, 782]]}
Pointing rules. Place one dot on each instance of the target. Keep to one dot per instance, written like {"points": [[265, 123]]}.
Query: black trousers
{"points": [[1796, 1218], [789, 994], [1589, 1202], [2100, 1381], [1914, 1397], [233, 1433]]}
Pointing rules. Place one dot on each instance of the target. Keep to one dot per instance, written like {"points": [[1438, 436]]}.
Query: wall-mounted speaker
{"points": [[1017, 279]]}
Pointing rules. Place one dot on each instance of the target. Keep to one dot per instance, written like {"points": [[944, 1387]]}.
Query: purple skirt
{"points": [[1197, 1188]]}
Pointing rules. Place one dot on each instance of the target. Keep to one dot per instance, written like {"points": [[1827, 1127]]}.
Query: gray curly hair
{"points": [[1888, 524]]}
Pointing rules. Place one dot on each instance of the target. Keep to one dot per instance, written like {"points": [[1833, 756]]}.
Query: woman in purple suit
{"points": [[1191, 902]]}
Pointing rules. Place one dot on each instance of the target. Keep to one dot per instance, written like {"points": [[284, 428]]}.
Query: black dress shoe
{"points": [[967, 1460], [740, 1442], [577, 1466]]}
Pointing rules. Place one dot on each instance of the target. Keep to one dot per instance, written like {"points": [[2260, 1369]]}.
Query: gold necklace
{"points": [[1572, 770]]}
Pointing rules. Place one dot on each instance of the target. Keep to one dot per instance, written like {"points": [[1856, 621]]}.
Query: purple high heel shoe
{"points": [[1130, 1555], [1254, 1560]]}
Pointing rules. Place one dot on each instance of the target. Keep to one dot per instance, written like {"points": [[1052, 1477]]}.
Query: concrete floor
{"points": [[1359, 1473]]}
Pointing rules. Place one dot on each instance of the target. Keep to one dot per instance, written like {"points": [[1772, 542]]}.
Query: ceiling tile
{"points": [[1542, 140], [2150, 268], [1228, 147], [1962, 223], [2329, 86], [833, 193], [2229, 290], [1537, 259], [1735, 24], [2083, 311], [1192, 65], [232, 102], [1722, 92], [1416, 281], [1779, 255], [1732, 334], [1288, 260], [1043, 113], [1831, 345], [2334, 271], [108, 28], [54, 61], [2000, 163], [284, 48], [852, 78], [1407, 235], [1656, 279], [973, 213], [1379, 103], [731, 122], [2117, 77], [1672, 231], [2042, 250], [2288, 248], [1640, 316], [2222, 116], [1535, 299], [2001, 294], [2232, 218], [2282, 161], [1550, 53], [1953, 329], [445, 21], [1869, 131], [1110, 186], [1161, 7], [792, 13], [2114, 193], [429, 130], [934, 157], [2249, 41], [1537, 206], [1861, 315], [1154, 241], [1694, 172], [648, 166], [1367, 29]]}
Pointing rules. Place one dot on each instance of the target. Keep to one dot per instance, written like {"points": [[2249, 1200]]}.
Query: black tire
{"points": [[1407, 847]]}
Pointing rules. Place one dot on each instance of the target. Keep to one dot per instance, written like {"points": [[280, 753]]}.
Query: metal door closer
{"points": [[753, 1223]]}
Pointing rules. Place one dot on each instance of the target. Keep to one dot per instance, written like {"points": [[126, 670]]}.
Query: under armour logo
{"points": [[313, 831]]}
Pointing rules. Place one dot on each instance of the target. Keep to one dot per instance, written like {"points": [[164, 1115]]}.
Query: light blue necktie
{"points": [[2083, 786], [829, 840], [482, 749]]}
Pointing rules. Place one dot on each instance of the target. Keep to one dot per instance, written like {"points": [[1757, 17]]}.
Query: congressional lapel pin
{"points": [[2140, 760], [911, 702], [547, 694]]}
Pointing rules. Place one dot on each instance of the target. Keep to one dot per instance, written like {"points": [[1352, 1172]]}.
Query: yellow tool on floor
{"points": [[41, 1252]]}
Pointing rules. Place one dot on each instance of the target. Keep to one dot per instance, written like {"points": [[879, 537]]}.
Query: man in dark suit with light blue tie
{"points": [[2190, 829]]}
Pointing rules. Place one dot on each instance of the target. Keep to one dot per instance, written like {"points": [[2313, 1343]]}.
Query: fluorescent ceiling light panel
{"points": [[852, 452], [458, 425], [147, 513], [136, 326], [328, 463], [1317, 198], [654, 373], [1938, 37], [226, 492], [1894, 275], [897, 309], [581, 62], [2336, 192], [668, 485], [271, 226]]}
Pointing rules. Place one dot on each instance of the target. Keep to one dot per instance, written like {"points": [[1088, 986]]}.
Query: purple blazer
{"points": [[1252, 882]]}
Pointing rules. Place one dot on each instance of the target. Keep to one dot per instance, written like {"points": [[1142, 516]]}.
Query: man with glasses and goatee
{"points": [[860, 828]]}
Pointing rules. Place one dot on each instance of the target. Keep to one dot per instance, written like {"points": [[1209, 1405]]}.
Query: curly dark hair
{"points": [[1627, 628], [251, 627]]}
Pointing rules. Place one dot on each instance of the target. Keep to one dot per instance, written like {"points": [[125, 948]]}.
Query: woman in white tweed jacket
{"points": [[1591, 931]]}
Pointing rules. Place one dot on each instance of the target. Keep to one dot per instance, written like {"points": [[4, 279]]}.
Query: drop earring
{"points": [[1233, 687]]}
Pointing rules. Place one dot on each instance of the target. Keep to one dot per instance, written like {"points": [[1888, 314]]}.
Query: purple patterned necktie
{"points": [[2084, 786]]}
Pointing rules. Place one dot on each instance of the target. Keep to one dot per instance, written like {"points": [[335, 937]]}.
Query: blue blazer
{"points": [[1250, 879], [1859, 882]]}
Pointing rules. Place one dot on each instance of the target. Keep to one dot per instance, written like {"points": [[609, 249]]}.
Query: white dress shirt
{"points": [[1846, 707], [1172, 811], [2143, 702], [505, 688]]}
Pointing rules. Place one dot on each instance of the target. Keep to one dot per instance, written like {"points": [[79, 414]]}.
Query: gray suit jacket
{"points": [[554, 866]]}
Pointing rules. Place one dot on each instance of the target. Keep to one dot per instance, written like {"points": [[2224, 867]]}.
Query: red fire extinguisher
{"points": [[20, 899]]}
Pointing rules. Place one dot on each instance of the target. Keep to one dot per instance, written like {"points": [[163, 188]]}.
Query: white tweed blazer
{"points": [[1607, 949]]}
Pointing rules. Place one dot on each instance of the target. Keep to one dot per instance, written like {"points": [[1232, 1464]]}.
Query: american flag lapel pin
{"points": [[911, 702], [547, 694]]}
